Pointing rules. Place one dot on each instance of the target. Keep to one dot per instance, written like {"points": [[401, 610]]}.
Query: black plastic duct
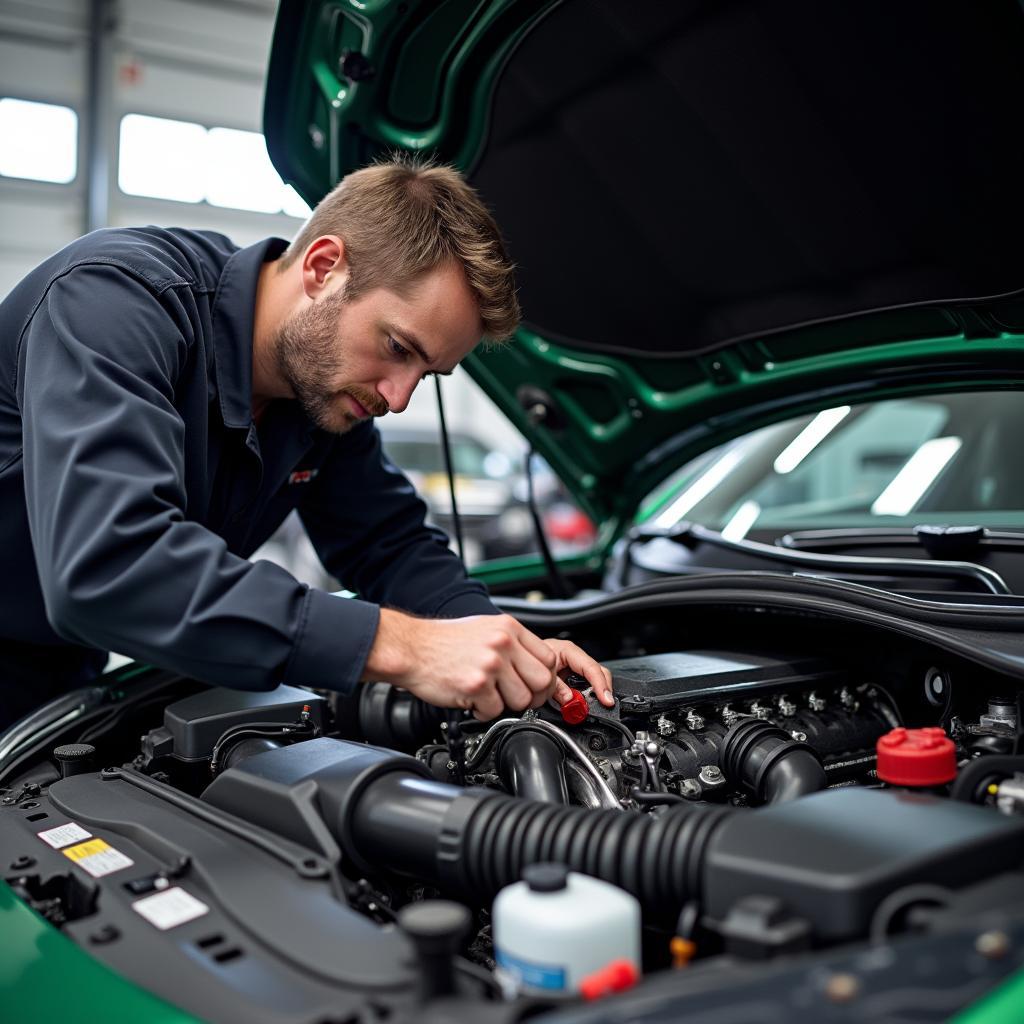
{"points": [[532, 766], [770, 763]]}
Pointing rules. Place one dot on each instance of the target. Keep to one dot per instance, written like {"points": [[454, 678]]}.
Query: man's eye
{"points": [[397, 350]]}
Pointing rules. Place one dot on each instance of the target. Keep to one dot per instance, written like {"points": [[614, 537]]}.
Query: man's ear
{"points": [[324, 266]]}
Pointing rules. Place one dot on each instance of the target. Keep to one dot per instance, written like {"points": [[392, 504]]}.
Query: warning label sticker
{"points": [[64, 835], [98, 857], [170, 908]]}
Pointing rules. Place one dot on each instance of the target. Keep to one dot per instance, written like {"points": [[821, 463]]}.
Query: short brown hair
{"points": [[402, 219]]}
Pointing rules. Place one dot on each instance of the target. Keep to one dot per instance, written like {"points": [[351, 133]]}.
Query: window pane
{"points": [[38, 141], [162, 159], [943, 459], [240, 174], [293, 204]]}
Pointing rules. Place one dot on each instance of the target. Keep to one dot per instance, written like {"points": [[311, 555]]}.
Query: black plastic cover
{"points": [[197, 722], [274, 945], [832, 857], [294, 791], [665, 680]]}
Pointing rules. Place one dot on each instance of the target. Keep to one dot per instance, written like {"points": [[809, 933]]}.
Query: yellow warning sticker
{"points": [[97, 857], [83, 850]]}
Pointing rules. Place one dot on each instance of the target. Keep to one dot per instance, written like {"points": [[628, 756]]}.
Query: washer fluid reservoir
{"points": [[557, 927]]}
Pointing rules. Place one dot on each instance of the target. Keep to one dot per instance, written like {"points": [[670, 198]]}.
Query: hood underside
{"points": [[712, 205]]}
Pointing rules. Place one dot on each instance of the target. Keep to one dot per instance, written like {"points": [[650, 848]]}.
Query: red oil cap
{"points": [[576, 708], [916, 757]]}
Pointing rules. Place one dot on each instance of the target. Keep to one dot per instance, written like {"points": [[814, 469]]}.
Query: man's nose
{"points": [[397, 391]]}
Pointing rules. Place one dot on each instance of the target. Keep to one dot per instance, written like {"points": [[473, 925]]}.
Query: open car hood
{"points": [[723, 213]]}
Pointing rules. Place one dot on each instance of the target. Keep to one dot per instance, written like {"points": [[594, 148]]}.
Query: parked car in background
{"points": [[484, 479]]}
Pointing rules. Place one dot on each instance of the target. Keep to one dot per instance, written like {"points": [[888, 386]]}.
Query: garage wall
{"points": [[200, 62], [43, 50]]}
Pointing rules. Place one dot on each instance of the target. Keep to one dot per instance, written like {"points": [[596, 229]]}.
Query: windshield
{"points": [[425, 456], [951, 459]]}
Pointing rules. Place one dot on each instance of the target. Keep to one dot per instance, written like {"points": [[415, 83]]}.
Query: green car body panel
{"points": [[46, 978]]}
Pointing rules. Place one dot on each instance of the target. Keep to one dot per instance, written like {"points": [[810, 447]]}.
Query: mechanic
{"points": [[168, 398]]}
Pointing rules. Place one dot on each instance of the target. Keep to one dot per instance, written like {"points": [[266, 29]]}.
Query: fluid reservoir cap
{"points": [[616, 977], [916, 757], [74, 751], [74, 758], [435, 920], [546, 877], [575, 709]]}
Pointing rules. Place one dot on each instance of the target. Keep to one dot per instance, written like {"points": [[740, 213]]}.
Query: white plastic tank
{"points": [[557, 927]]}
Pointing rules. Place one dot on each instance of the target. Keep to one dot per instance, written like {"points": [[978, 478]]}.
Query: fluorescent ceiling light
{"points": [[809, 438], [38, 141], [743, 519], [162, 158], [919, 472], [700, 488]]}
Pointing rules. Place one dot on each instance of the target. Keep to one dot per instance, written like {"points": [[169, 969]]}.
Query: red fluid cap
{"points": [[916, 757], [614, 977], [576, 708]]}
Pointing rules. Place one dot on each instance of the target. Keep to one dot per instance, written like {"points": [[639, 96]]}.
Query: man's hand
{"points": [[570, 658], [484, 664]]}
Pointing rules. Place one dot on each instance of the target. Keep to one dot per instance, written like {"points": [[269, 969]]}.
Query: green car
{"points": [[769, 258]]}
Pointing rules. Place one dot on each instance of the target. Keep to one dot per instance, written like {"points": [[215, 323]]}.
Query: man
{"points": [[168, 398]]}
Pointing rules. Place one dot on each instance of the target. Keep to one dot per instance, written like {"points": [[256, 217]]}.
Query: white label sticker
{"points": [[64, 835], [97, 857], [170, 908]]}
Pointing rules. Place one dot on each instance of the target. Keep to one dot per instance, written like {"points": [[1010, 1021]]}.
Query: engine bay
{"points": [[303, 856]]}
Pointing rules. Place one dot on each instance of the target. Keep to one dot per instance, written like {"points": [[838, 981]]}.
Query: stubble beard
{"points": [[308, 355]]}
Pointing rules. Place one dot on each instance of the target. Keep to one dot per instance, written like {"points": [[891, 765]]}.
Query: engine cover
{"points": [[660, 681]]}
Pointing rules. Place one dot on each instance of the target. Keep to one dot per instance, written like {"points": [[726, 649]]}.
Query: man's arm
{"points": [[366, 522], [120, 566]]}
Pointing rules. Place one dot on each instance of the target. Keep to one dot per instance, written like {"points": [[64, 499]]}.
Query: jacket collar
{"points": [[233, 321]]}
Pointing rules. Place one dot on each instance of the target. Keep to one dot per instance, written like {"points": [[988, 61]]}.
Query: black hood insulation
{"points": [[672, 177]]}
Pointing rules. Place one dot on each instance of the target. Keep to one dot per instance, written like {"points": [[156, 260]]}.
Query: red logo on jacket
{"points": [[302, 476]]}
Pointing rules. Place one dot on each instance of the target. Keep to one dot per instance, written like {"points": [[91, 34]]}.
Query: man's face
{"points": [[346, 360]]}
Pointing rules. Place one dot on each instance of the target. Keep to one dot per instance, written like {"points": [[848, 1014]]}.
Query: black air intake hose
{"points": [[474, 842], [532, 766], [770, 763], [389, 815]]}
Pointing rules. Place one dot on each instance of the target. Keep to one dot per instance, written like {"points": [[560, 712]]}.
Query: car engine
{"points": [[339, 858]]}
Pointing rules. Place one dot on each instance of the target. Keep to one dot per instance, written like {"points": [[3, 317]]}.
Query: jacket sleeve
{"points": [[367, 524], [120, 566]]}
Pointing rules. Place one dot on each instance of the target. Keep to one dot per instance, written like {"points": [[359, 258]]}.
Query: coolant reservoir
{"points": [[557, 927]]}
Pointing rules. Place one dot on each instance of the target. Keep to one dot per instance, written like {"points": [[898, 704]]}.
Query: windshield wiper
{"points": [[690, 534]]}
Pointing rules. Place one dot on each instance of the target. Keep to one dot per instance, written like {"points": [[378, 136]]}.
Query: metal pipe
{"points": [[572, 748]]}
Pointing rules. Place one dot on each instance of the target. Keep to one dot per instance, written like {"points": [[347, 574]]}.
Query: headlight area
{"points": [[833, 819]]}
